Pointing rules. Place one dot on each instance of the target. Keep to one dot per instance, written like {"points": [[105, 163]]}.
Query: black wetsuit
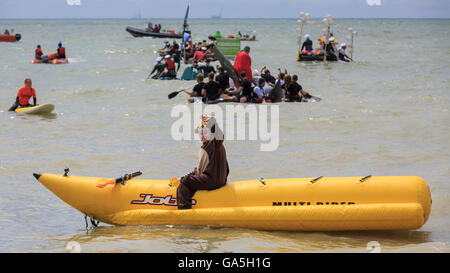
{"points": [[308, 45], [331, 54]]}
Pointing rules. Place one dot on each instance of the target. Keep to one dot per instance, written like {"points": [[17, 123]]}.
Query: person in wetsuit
{"points": [[60, 52], [24, 95], [307, 44]]}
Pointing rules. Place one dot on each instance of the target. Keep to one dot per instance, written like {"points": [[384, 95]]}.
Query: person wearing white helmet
{"points": [[158, 68], [331, 50], [342, 55], [307, 44], [169, 70]]}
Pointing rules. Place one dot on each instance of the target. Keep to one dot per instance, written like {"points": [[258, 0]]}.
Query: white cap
{"points": [[167, 56], [343, 44], [159, 59], [306, 36], [331, 39], [204, 48]]}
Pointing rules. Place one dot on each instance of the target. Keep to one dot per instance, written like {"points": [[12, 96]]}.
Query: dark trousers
{"points": [[15, 105], [187, 189]]}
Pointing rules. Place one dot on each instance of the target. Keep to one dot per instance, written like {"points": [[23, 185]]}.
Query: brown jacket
{"points": [[212, 168]]}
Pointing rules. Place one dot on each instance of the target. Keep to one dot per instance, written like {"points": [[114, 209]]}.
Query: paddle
{"points": [[174, 94]]}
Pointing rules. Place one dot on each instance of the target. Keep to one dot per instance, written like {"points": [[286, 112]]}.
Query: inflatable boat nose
{"points": [[36, 175]]}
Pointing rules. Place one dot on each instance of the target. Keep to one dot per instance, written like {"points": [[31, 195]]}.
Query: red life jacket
{"points": [[170, 64], [61, 51], [38, 53]]}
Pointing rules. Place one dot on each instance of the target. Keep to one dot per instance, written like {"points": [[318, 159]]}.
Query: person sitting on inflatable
{"points": [[267, 76], [259, 91], [244, 93], [149, 27], [243, 62], [307, 44], [60, 52], [212, 169], [38, 53], [24, 95], [223, 79], [6, 32], [212, 89], [196, 92], [199, 54]]}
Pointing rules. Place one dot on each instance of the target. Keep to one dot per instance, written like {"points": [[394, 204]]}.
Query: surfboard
{"points": [[45, 108]]}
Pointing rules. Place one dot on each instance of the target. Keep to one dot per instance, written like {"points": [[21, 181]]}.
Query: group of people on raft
{"points": [[39, 54], [172, 54], [256, 89], [151, 28], [330, 48]]}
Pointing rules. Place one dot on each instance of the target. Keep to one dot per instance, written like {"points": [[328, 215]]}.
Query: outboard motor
{"points": [[18, 36]]}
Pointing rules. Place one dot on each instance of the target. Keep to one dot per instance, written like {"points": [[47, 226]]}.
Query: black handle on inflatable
{"points": [[126, 177]]}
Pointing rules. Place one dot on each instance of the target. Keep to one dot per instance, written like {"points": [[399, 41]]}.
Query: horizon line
{"points": [[143, 18]]}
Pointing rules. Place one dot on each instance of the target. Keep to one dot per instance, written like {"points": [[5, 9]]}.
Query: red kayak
{"points": [[10, 38], [51, 59]]}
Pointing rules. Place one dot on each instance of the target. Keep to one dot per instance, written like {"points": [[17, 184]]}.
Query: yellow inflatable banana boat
{"points": [[303, 204]]}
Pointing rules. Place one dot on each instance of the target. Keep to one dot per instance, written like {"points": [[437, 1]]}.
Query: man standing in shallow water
{"points": [[212, 168]]}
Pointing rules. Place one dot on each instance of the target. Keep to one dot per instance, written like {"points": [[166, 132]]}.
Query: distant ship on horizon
{"points": [[217, 16], [137, 16]]}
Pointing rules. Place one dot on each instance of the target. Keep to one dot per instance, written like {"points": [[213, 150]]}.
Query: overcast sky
{"points": [[230, 8]]}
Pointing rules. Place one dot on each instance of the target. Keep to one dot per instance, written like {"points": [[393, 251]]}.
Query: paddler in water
{"points": [[24, 95], [212, 168], [196, 92], [169, 70], [60, 52], [158, 68], [342, 55]]}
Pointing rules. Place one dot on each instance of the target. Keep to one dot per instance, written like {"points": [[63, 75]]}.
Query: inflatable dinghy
{"points": [[299, 204]]}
